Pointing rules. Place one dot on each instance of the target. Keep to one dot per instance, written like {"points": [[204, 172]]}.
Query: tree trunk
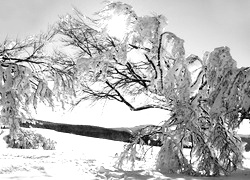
{"points": [[116, 134], [82, 130]]}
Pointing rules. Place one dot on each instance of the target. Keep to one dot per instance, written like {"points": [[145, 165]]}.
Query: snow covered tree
{"points": [[27, 73], [136, 61]]}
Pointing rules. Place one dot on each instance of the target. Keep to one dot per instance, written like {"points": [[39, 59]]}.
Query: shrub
{"points": [[28, 139]]}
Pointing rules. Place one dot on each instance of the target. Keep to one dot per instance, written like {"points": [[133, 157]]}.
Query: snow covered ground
{"points": [[85, 158]]}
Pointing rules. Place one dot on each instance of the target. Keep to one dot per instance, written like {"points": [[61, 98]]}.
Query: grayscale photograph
{"points": [[124, 89]]}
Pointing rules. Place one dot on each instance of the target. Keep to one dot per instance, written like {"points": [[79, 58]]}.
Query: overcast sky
{"points": [[203, 24]]}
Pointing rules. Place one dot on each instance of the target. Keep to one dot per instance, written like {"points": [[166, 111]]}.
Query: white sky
{"points": [[204, 25]]}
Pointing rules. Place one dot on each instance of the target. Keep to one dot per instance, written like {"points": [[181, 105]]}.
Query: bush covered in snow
{"points": [[28, 139]]}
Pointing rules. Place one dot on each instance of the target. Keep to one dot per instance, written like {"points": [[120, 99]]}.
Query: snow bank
{"points": [[78, 157]]}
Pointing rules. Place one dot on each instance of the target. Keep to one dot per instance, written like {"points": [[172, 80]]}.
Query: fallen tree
{"points": [[116, 134], [82, 130]]}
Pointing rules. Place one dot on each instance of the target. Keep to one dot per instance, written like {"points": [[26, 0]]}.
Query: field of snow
{"points": [[85, 158]]}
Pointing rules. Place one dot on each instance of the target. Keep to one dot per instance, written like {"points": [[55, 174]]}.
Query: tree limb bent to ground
{"points": [[151, 138], [145, 67]]}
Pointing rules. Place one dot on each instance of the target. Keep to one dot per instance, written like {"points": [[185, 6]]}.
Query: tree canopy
{"points": [[144, 66]]}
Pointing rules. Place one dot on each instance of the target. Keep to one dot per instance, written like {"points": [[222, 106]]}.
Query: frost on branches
{"points": [[136, 61], [146, 67], [26, 70]]}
